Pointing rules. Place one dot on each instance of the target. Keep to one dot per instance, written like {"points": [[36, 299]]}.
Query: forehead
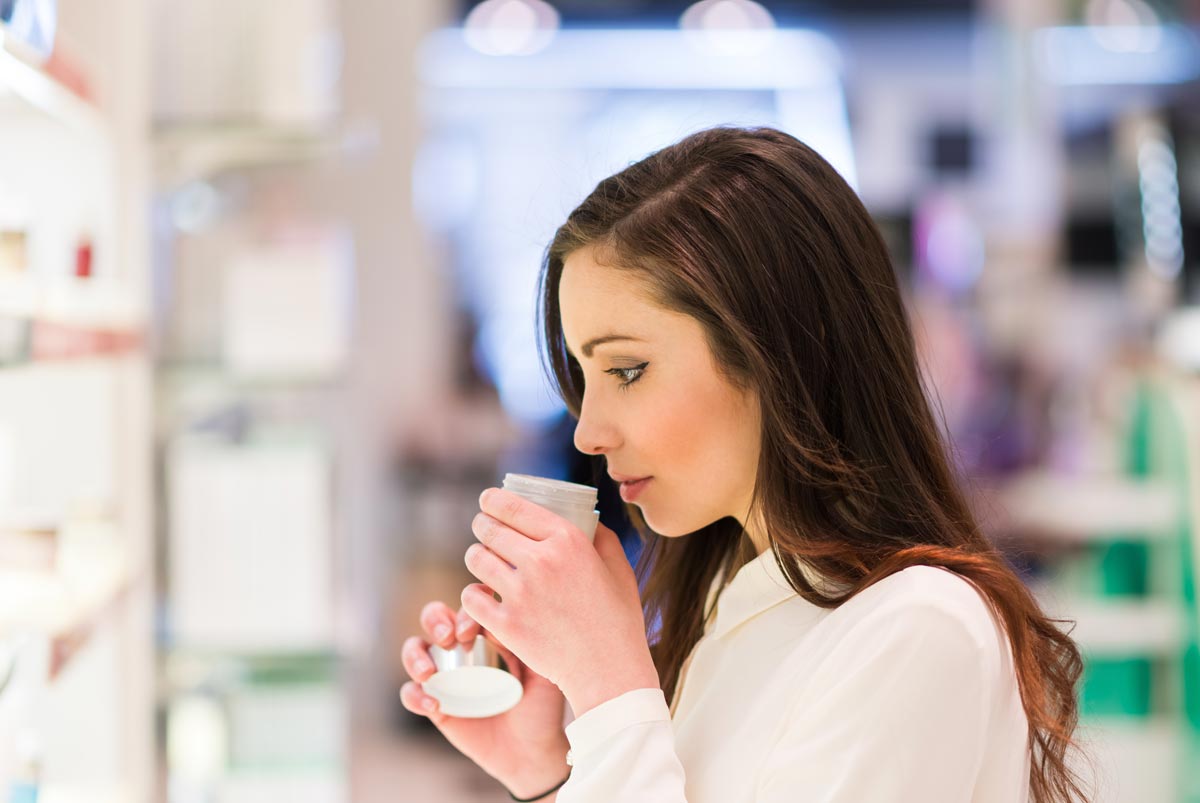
{"points": [[591, 293]]}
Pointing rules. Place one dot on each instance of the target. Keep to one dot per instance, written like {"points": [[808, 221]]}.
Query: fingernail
{"points": [[429, 705], [424, 666], [463, 627], [441, 632]]}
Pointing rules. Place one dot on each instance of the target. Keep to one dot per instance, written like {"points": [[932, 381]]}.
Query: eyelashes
{"points": [[630, 375]]}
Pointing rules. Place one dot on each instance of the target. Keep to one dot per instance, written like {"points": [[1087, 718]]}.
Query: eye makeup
{"points": [[624, 373]]}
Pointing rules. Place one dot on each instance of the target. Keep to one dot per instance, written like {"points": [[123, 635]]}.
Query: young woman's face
{"points": [[654, 403]]}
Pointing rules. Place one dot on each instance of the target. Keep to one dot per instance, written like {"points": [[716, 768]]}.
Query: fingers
{"points": [[443, 627], [415, 657], [446, 628], [467, 628], [479, 602], [414, 699], [490, 568], [438, 620], [512, 547], [526, 518]]}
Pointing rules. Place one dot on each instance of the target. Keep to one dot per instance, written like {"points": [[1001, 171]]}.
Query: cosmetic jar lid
{"points": [[474, 691], [547, 491], [469, 681]]}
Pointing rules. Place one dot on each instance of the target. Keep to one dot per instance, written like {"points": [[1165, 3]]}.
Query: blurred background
{"points": [[267, 329]]}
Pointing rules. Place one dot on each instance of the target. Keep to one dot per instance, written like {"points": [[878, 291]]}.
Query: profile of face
{"points": [[654, 403]]}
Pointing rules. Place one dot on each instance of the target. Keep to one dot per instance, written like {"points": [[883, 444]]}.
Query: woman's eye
{"points": [[630, 375]]}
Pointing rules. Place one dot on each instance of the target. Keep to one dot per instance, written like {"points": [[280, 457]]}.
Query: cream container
{"points": [[471, 679]]}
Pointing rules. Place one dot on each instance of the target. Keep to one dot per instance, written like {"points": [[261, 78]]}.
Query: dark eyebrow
{"points": [[596, 341]]}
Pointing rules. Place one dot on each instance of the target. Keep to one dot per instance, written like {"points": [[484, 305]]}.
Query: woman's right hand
{"points": [[525, 747]]}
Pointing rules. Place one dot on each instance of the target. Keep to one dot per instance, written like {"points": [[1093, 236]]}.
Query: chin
{"points": [[671, 528]]}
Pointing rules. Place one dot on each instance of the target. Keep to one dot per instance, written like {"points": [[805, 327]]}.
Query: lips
{"points": [[632, 490]]}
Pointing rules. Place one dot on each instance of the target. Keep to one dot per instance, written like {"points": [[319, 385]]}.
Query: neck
{"points": [[756, 530]]}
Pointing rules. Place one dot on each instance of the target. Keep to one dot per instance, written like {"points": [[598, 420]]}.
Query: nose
{"points": [[594, 435]]}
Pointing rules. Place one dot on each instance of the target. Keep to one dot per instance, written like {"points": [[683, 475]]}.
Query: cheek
{"points": [[696, 444]]}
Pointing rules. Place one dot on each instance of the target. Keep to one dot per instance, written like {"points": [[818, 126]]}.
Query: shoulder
{"points": [[940, 608]]}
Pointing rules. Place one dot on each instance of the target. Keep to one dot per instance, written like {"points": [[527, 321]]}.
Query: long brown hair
{"points": [[756, 236]]}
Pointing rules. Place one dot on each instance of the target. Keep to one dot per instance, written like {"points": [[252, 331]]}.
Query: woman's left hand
{"points": [[570, 610]]}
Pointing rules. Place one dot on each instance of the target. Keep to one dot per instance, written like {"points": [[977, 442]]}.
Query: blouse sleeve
{"points": [[624, 749], [898, 711]]}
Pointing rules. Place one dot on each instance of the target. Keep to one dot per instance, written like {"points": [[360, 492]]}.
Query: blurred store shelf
{"points": [[1123, 627], [70, 301], [63, 581], [1081, 508], [194, 151], [1133, 760], [58, 603], [67, 794], [27, 88], [75, 507]]}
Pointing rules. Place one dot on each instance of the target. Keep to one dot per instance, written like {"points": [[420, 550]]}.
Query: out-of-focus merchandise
{"points": [[8, 662], [56, 170], [32, 23], [14, 236], [14, 253], [286, 713], [197, 740], [57, 424], [84, 249], [14, 339], [279, 62], [1125, 577], [1179, 339], [47, 340], [75, 475], [24, 661], [250, 545], [31, 547], [25, 784], [268, 727], [288, 308]]}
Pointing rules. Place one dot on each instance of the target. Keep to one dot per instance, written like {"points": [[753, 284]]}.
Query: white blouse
{"points": [[904, 693]]}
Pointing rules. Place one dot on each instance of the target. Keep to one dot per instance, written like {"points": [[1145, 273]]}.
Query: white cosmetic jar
{"points": [[471, 680]]}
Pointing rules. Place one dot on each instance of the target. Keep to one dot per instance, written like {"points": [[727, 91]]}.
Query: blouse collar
{"points": [[757, 586]]}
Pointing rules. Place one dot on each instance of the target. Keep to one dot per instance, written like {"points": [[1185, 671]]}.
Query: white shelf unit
{"points": [[69, 301], [253, 696], [74, 453], [1137, 758], [28, 90]]}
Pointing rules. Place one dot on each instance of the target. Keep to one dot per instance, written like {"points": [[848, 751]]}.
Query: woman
{"points": [[829, 624]]}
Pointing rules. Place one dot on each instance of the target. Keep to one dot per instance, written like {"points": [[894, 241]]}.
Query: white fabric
{"points": [[904, 693]]}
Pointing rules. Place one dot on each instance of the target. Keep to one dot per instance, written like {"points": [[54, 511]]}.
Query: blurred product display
{"points": [[256, 727], [279, 62], [75, 542], [255, 521], [288, 310], [253, 333]]}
